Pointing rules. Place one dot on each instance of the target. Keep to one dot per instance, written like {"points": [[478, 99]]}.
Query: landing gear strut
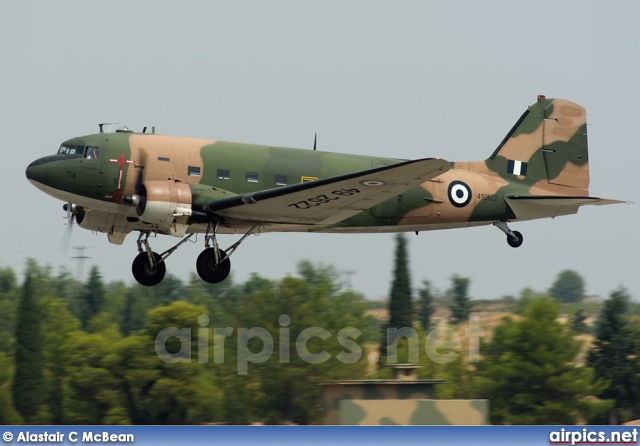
{"points": [[148, 267], [213, 264], [514, 238]]}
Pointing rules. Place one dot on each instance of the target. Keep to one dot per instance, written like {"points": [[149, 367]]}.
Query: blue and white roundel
{"points": [[459, 194]]}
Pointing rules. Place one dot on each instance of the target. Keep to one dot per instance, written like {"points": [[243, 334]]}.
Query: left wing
{"points": [[329, 200], [538, 206]]}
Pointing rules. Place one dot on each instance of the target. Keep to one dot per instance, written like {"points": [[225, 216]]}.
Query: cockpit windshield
{"points": [[88, 152], [91, 153], [71, 150]]}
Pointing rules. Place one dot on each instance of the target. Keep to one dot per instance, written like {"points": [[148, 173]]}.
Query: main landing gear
{"points": [[514, 238], [213, 264]]}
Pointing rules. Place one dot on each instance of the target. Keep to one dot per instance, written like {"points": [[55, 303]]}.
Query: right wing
{"points": [[329, 200]]}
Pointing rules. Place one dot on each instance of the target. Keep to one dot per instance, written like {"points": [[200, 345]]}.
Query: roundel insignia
{"points": [[372, 183], [459, 194]]}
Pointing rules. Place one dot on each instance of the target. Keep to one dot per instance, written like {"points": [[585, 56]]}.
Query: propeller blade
{"points": [[67, 207], [65, 241]]}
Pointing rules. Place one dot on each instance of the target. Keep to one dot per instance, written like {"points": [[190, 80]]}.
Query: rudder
{"points": [[549, 142]]}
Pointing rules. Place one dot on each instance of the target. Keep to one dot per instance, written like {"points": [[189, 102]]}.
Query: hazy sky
{"points": [[403, 79]]}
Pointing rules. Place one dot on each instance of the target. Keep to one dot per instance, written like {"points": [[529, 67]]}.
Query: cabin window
{"points": [[224, 174], [91, 153], [307, 179], [71, 150], [280, 180], [193, 171], [163, 158], [251, 177]]}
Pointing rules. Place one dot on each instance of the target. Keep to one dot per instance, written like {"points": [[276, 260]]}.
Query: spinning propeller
{"points": [[74, 213]]}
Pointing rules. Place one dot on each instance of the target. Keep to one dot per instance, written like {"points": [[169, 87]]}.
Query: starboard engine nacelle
{"points": [[166, 204]]}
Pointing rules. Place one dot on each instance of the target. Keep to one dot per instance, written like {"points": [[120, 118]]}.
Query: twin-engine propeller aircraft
{"points": [[122, 182]]}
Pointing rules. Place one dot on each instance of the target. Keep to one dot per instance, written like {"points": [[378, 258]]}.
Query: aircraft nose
{"points": [[38, 170]]}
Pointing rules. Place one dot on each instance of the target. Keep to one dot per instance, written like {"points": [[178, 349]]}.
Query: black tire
{"points": [[515, 242], [207, 268], [144, 273]]}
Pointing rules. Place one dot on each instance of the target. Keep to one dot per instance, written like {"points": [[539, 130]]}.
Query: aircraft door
{"points": [[110, 176], [87, 176], [113, 173]]}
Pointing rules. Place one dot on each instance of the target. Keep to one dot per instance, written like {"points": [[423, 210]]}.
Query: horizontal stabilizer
{"points": [[541, 206], [329, 200]]}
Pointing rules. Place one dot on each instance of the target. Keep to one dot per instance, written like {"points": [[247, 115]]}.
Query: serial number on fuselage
{"points": [[488, 197], [323, 199]]}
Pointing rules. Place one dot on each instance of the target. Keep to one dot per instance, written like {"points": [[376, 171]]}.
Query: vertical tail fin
{"points": [[548, 143]]}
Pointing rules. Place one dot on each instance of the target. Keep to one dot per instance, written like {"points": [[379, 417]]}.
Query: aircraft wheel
{"points": [[207, 268], [515, 242], [144, 273]]}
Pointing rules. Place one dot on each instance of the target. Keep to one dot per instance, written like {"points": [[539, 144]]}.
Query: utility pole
{"points": [[347, 273], [80, 258]]}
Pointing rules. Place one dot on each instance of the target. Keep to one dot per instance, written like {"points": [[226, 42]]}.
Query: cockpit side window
{"points": [[91, 153], [71, 150]]}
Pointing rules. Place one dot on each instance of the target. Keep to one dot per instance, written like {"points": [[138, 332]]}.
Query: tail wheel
{"points": [[207, 268], [146, 274], [516, 241]]}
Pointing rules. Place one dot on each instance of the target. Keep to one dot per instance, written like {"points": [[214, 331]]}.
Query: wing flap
{"points": [[329, 200], [541, 206]]}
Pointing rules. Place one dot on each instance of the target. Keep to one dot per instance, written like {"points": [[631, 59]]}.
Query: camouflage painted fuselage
{"points": [[545, 154]]}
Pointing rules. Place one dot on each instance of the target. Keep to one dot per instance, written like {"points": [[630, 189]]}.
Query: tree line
{"points": [[530, 368], [88, 352]]}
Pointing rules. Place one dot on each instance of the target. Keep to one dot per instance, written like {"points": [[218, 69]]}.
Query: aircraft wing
{"points": [[539, 206], [329, 200]]}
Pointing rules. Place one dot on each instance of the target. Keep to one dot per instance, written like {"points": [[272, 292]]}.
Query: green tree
{"points": [[426, 305], [527, 295], [527, 371], [134, 315], [568, 287], [168, 392], [62, 328], [69, 289], [139, 300], [8, 280], [400, 304], [9, 299], [167, 291], [460, 302], [614, 355], [578, 321], [8, 412], [400, 299], [93, 297], [28, 385], [91, 389], [285, 386]]}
